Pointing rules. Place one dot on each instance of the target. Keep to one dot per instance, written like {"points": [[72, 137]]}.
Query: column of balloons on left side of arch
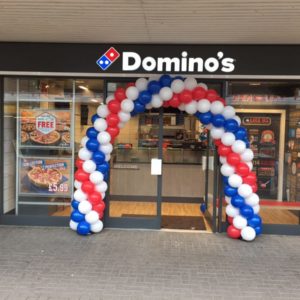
{"points": [[187, 95]]}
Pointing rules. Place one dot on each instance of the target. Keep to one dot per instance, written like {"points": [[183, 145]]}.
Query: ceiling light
{"points": [[83, 87], [94, 100], [254, 83]]}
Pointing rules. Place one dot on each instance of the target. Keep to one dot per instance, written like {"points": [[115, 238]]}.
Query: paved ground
{"points": [[55, 263]]}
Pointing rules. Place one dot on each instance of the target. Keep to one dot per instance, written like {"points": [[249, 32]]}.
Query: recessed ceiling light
{"points": [[254, 83], [83, 87]]}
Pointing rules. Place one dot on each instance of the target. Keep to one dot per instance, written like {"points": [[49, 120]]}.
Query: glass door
{"points": [[134, 194]]}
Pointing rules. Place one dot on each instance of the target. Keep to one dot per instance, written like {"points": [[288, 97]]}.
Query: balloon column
{"points": [[187, 95]]}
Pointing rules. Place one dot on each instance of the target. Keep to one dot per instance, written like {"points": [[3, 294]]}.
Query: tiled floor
{"points": [[56, 263]]}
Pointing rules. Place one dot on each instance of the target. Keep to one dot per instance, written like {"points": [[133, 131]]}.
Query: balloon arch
{"points": [[187, 95]]}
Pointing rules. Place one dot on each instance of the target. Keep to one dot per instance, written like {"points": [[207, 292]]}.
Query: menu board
{"points": [[45, 176], [263, 131], [45, 128]]}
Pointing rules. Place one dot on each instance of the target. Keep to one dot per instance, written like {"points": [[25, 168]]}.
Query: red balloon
{"points": [[113, 131], [114, 106], [112, 120], [233, 232], [250, 178], [242, 169], [130, 84], [88, 187], [186, 96], [81, 176], [254, 187], [222, 100], [120, 94], [79, 162], [95, 198], [99, 208], [217, 142], [211, 95], [224, 150], [166, 104], [175, 101], [233, 158], [230, 219], [199, 93]]}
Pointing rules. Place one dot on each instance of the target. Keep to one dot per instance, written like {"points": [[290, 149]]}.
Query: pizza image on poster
{"points": [[45, 128], [45, 176]]}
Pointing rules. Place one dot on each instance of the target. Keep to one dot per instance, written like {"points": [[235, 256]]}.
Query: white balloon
{"points": [[103, 137], [232, 211], [250, 165], [204, 106], [245, 190], [79, 195], [84, 154], [100, 124], [141, 84], [247, 155], [101, 187], [228, 200], [166, 93], [238, 147], [248, 234], [107, 157], [223, 159], [121, 125], [83, 141], [156, 101], [96, 177], [97, 227], [73, 225], [109, 98], [92, 217], [177, 86], [203, 85], [84, 207], [127, 105], [252, 200], [238, 119], [235, 180], [191, 108], [103, 195], [217, 132], [106, 149], [89, 166], [256, 208], [227, 170], [132, 93], [77, 184], [216, 107], [228, 112], [228, 138], [124, 116], [181, 107], [148, 106], [190, 83], [239, 222], [102, 111]]}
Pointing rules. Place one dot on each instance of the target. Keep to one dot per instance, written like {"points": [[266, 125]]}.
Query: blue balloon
{"points": [[139, 107], [230, 191], [258, 230], [231, 125], [94, 118], [165, 80], [77, 216], [98, 157], [206, 118], [154, 87], [106, 176], [198, 114], [145, 97], [240, 133], [237, 201], [92, 133], [218, 120], [103, 167], [254, 221], [75, 204], [225, 179], [247, 211], [203, 207], [92, 144], [83, 228], [133, 113]]}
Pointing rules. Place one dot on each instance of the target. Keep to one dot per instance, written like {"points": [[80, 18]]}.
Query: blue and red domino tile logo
{"points": [[108, 58]]}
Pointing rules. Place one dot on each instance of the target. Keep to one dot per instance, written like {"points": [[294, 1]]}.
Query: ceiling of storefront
{"points": [[151, 21]]}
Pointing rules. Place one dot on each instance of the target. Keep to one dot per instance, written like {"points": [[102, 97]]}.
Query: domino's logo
{"points": [[107, 59]]}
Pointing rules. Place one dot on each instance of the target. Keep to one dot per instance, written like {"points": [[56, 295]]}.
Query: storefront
{"points": [[50, 92]]}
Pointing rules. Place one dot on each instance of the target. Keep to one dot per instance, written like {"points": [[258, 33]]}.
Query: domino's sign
{"points": [[133, 61]]}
